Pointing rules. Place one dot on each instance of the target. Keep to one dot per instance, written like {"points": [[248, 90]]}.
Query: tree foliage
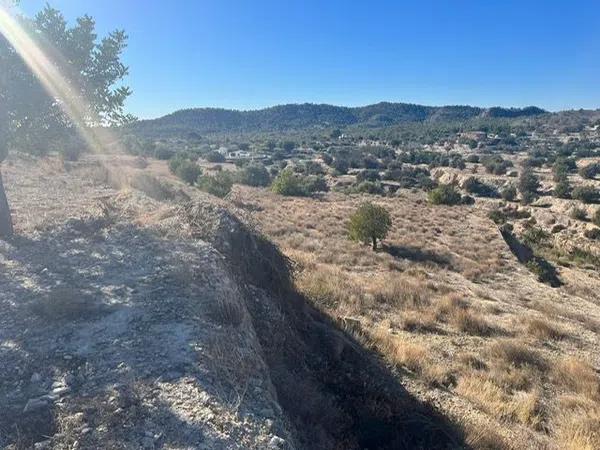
{"points": [[369, 223], [91, 67]]}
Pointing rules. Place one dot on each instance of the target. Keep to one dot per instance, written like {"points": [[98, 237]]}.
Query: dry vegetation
{"points": [[446, 303]]}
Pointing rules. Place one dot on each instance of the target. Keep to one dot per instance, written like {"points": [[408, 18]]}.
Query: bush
{"points": [[528, 185], [288, 183], [590, 171], [497, 216], [187, 170], [163, 153], [341, 166], [369, 187], [535, 237], [445, 194], [254, 175], [578, 214], [509, 193], [368, 175], [474, 186], [369, 223], [314, 184], [596, 217], [472, 158], [218, 185], [215, 157], [585, 194], [592, 233], [562, 189]]}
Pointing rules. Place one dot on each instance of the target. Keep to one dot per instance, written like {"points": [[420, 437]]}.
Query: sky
{"points": [[249, 54]]}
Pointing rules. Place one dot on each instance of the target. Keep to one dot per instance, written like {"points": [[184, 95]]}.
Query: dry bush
{"points": [[399, 352], [420, 322], [577, 376], [543, 330], [449, 305], [524, 407], [469, 322], [485, 438], [402, 293], [577, 424], [514, 354]]}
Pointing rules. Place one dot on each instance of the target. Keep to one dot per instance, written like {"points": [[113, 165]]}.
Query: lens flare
{"points": [[44, 62]]}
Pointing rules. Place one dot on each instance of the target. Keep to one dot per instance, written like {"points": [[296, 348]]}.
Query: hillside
{"points": [[302, 116], [131, 320]]}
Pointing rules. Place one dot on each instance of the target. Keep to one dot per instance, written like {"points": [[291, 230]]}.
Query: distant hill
{"points": [[307, 115]]}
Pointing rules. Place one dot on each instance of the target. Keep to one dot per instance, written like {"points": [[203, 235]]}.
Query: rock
{"points": [[277, 443], [36, 377], [35, 404], [62, 390], [558, 228], [42, 444], [148, 442]]}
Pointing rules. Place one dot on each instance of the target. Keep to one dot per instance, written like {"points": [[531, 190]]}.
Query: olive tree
{"points": [[369, 223]]}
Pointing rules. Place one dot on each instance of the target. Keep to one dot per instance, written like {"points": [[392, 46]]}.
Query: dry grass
{"points": [[515, 354], [576, 375], [577, 423], [544, 330]]}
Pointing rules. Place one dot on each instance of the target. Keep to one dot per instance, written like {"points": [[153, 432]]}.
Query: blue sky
{"points": [[254, 53]]}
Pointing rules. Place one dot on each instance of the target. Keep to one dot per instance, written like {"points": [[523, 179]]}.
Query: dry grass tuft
{"points": [[469, 322], [514, 354], [577, 376], [406, 354], [577, 424], [544, 330]]}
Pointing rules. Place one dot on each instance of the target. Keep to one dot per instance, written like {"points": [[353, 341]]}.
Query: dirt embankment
{"points": [[126, 322]]}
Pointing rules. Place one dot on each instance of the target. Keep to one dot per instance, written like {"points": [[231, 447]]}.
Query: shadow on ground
{"points": [[416, 254], [334, 392]]}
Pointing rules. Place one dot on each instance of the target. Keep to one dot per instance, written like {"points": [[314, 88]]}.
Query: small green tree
{"points": [[369, 223], [562, 189], [528, 185], [288, 183], [509, 193], [255, 175]]}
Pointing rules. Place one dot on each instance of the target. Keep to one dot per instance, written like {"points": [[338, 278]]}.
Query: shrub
{"points": [[369, 187], [497, 216], [255, 175], [592, 233], [474, 186], [528, 185], [562, 189], [509, 193], [163, 153], [585, 194], [341, 165], [369, 223], [578, 214], [288, 183], [187, 170], [590, 171], [445, 194], [473, 158], [535, 237], [218, 185], [368, 175], [215, 157], [596, 217], [315, 183]]}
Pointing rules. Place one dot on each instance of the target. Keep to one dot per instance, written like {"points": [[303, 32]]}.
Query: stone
{"points": [[35, 404], [36, 377], [277, 443]]}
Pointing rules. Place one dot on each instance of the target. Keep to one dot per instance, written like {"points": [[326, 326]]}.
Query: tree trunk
{"points": [[374, 243], [6, 226]]}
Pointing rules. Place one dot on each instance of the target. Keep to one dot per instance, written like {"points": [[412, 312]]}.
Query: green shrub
{"points": [[497, 216], [369, 223], [592, 233], [585, 194], [369, 187], [255, 175], [367, 175], [163, 153], [528, 185], [509, 193], [445, 194], [288, 183], [218, 185], [590, 171], [535, 237], [578, 213], [474, 186], [187, 170], [562, 189], [315, 183], [215, 157], [596, 217]]}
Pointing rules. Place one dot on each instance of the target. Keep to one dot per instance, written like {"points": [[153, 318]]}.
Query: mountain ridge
{"points": [[308, 115]]}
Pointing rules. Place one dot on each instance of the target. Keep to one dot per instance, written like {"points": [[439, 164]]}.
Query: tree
{"points": [[288, 183], [255, 175], [528, 185], [445, 194], [369, 223], [215, 157], [32, 118]]}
